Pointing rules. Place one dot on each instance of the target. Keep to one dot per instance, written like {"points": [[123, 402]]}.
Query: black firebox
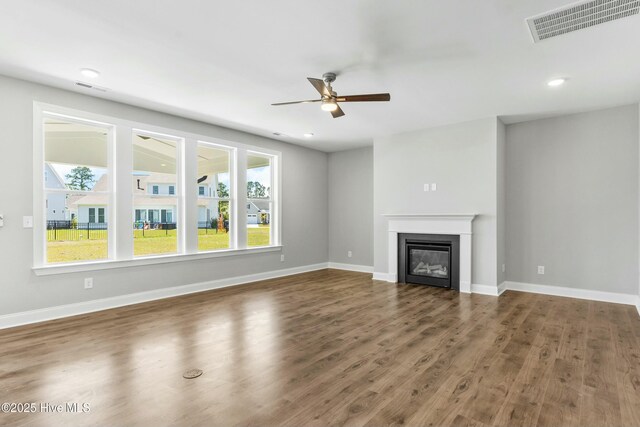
{"points": [[429, 259]]}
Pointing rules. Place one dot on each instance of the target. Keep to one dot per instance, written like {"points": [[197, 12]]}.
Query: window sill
{"points": [[161, 259]]}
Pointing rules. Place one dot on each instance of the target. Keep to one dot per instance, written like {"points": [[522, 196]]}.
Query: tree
{"points": [[255, 190], [223, 191], [80, 178]]}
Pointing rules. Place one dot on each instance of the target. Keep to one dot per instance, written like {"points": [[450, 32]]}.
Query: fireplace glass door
{"points": [[429, 264]]}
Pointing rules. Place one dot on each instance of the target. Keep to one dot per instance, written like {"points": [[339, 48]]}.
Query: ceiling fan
{"points": [[330, 98]]}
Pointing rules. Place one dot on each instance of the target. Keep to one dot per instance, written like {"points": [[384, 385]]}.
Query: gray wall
{"points": [[461, 160], [351, 206], [304, 230], [572, 200]]}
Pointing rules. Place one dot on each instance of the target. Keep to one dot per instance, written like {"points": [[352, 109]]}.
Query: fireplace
{"points": [[429, 259]]}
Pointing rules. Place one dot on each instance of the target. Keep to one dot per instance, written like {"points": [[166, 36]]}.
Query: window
{"points": [[259, 185], [169, 179], [141, 214], [155, 160], [214, 209], [75, 176]]}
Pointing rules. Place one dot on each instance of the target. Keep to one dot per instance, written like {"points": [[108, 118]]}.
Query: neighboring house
{"points": [[91, 208], [56, 202], [153, 204], [207, 209], [258, 212], [152, 198]]}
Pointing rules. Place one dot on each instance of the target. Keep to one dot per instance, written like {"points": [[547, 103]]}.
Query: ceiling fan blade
{"points": [[364, 98], [337, 112], [320, 86], [298, 102]]}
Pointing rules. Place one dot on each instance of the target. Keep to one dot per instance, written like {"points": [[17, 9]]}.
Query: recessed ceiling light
{"points": [[88, 72], [556, 82], [308, 135]]}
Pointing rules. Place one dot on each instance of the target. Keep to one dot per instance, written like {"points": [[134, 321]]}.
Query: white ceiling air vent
{"points": [[578, 16], [98, 88]]}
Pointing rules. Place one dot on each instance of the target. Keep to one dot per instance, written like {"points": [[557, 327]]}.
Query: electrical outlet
{"points": [[426, 187], [88, 283], [541, 269], [1, 220], [349, 254], [27, 221], [504, 268], [282, 258]]}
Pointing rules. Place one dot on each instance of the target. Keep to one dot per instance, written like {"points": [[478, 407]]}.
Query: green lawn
{"points": [[154, 242]]}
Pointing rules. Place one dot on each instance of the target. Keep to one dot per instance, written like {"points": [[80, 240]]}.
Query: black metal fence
{"points": [[152, 229], [73, 231], [212, 226]]}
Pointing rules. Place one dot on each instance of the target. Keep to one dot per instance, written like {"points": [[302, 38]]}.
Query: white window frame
{"points": [[120, 208], [233, 241], [39, 184], [179, 188], [273, 199]]}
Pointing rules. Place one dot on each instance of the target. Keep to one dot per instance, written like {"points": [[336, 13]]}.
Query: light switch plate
{"points": [[426, 187], [434, 187], [27, 221], [1, 220]]}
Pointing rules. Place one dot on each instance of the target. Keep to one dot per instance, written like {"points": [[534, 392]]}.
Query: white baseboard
{"points": [[638, 304], [351, 267], [561, 291], [485, 290], [57, 312], [502, 287], [384, 277]]}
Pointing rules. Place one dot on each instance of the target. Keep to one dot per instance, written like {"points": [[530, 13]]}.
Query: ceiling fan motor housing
{"points": [[329, 77]]}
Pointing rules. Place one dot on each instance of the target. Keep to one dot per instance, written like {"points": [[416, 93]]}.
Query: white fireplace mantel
{"points": [[439, 223]]}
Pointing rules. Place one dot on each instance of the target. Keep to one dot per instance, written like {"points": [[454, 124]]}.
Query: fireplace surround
{"points": [[453, 224]]}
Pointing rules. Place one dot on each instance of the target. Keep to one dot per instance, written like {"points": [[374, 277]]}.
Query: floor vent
{"points": [[580, 15]]}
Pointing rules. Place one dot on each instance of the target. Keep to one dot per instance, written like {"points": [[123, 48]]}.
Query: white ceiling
{"points": [[224, 62]]}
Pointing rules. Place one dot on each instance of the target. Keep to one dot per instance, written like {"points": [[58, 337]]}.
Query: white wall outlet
{"points": [[504, 268], [434, 187], [349, 254], [88, 283], [1, 220], [282, 258], [27, 221], [426, 187], [541, 269]]}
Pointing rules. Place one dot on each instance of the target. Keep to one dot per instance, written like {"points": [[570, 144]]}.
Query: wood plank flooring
{"points": [[332, 348]]}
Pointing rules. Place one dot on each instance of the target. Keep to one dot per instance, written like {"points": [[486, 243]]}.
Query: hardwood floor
{"points": [[332, 348]]}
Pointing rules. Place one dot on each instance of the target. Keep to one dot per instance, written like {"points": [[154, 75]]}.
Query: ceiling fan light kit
{"points": [[329, 105], [329, 98]]}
